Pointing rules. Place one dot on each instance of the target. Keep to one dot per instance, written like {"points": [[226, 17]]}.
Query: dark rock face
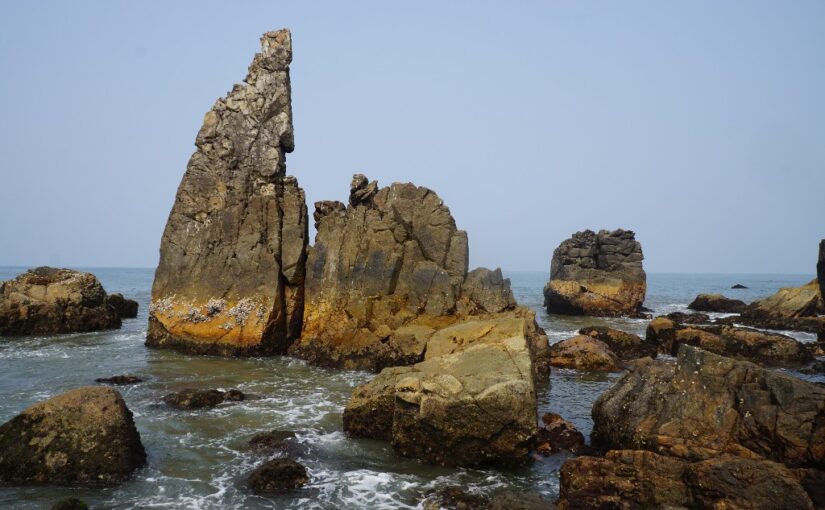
{"points": [[126, 308], [558, 434], [717, 303], [198, 399], [49, 301], [625, 345], [119, 380], [278, 475], [231, 272], [769, 349], [272, 440], [707, 405], [820, 271], [738, 286], [689, 318], [584, 353], [85, 435], [597, 274], [643, 479]]}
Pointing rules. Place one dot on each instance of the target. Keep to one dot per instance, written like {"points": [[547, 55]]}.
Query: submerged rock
{"points": [[70, 504], [625, 345], [278, 475], [456, 498], [769, 349], [232, 256], [584, 353], [198, 399], [119, 380], [472, 407], [558, 434], [85, 435], [49, 301], [272, 440], [705, 405], [717, 303], [597, 274], [126, 308]]}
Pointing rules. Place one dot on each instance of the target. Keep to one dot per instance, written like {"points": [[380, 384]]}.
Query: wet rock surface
{"points": [[597, 274], [689, 318], [119, 380], [769, 349], [232, 256], [126, 308], [557, 434], [625, 345], [717, 303], [456, 498], [271, 441], [85, 435], [278, 475], [584, 353], [190, 398], [49, 301]]}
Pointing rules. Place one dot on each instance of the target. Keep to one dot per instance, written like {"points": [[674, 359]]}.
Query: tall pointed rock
{"points": [[232, 257]]}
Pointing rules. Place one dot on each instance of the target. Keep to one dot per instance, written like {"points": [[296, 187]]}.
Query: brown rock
{"points": [[717, 303], [788, 303], [198, 399], [689, 318], [278, 475], [232, 256], [584, 353], [49, 301], [454, 498], [597, 274], [85, 435], [126, 308], [558, 434], [625, 345]]}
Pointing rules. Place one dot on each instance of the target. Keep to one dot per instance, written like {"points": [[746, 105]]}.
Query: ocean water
{"points": [[197, 460]]}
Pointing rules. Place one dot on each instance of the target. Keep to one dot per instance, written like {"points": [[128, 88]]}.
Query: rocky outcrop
{"points": [[643, 479], [557, 434], [49, 301], [597, 274], [820, 271], [625, 345], [470, 407], [584, 353], [85, 435], [190, 398], [788, 303], [706, 405], [768, 349], [717, 303], [232, 257], [278, 475], [126, 308], [386, 272]]}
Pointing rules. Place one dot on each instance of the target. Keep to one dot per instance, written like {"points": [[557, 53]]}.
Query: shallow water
{"points": [[197, 459]]}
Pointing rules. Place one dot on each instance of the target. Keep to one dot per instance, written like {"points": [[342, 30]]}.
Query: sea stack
{"points": [[820, 270], [231, 271], [597, 274]]}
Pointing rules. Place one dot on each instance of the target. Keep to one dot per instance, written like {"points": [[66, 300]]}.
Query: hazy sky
{"points": [[700, 125]]}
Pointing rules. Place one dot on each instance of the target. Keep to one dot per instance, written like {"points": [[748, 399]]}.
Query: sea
{"points": [[198, 459]]}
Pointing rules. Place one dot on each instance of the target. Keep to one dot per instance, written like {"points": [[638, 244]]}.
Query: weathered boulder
{"points": [[788, 303], [558, 434], [643, 479], [597, 274], [126, 308], [625, 345], [232, 256], [85, 435], [769, 349], [278, 475], [191, 398], [705, 405], [474, 406], [717, 303], [585, 353], [49, 301]]}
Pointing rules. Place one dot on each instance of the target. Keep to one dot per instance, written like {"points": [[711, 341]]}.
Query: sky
{"points": [[699, 125]]}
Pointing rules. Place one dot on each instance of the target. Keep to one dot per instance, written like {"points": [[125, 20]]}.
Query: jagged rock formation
{"points": [[471, 407], [386, 272], [85, 435], [768, 349], [597, 274], [231, 271], [48, 301], [717, 303]]}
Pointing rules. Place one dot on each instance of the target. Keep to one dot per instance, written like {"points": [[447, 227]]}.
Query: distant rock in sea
{"points": [[717, 303], [231, 271], [49, 301], [597, 274], [738, 286]]}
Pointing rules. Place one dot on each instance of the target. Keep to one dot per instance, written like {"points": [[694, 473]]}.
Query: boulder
{"points": [[558, 434], [769, 349], [584, 353], [717, 303], [643, 479], [126, 308], [788, 303], [85, 435], [190, 398], [472, 407], [597, 274], [232, 257], [272, 440], [278, 475], [119, 380], [705, 405], [385, 272], [625, 345], [689, 318], [49, 301]]}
